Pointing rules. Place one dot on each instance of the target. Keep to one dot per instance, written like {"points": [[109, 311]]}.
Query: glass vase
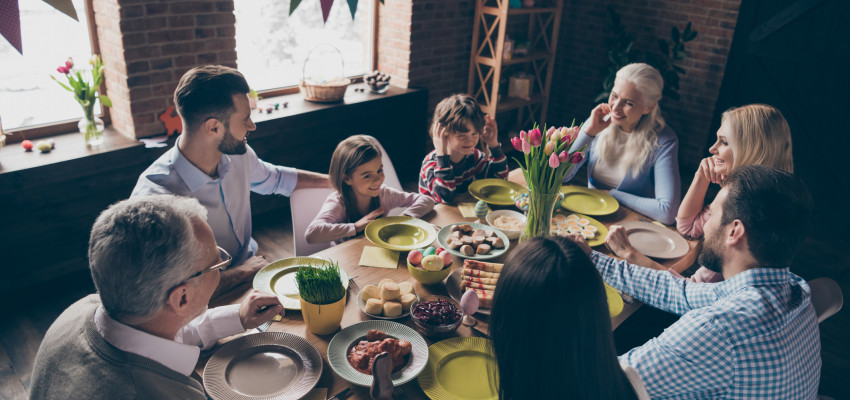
{"points": [[538, 219], [92, 129]]}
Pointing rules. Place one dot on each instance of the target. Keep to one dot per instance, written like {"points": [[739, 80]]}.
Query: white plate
{"points": [[655, 241], [362, 304]]}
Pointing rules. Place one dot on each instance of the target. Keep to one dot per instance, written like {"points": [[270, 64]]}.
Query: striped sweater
{"points": [[441, 179]]}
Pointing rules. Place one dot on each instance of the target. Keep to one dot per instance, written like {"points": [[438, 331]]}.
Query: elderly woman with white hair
{"points": [[632, 152]]}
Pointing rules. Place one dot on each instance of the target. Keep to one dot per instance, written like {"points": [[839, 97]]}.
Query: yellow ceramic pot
{"points": [[323, 319]]}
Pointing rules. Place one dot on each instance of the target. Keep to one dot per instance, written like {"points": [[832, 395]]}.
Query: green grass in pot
{"points": [[320, 285]]}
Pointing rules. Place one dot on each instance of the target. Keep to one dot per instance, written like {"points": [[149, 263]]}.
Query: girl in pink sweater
{"points": [[753, 134], [357, 174]]}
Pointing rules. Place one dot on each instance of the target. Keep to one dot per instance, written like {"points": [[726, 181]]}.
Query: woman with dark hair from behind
{"points": [[551, 284]]}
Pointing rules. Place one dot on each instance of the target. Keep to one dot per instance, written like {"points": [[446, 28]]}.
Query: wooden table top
{"points": [[347, 254]]}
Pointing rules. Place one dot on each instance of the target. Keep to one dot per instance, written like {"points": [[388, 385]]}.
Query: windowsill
{"points": [[71, 146]]}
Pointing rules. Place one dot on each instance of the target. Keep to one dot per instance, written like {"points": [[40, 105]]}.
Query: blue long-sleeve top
{"points": [[656, 190]]}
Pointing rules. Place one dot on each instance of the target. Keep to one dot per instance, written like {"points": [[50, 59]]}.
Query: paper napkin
{"points": [[379, 257], [467, 210]]}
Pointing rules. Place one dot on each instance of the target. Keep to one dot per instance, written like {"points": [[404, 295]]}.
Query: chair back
{"points": [[826, 297], [305, 204]]}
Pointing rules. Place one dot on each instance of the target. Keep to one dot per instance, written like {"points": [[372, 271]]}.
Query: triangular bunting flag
{"points": [[10, 23], [64, 6], [352, 6], [326, 9], [293, 4]]}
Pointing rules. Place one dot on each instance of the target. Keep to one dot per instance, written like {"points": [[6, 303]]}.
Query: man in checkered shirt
{"points": [[754, 335]]}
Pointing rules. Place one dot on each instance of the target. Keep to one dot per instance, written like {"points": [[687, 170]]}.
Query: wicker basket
{"points": [[324, 93]]}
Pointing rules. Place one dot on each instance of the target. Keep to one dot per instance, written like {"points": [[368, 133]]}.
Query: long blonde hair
{"points": [[350, 154], [759, 135], [644, 138]]}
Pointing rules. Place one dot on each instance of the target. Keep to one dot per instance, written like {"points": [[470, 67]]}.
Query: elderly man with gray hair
{"points": [[155, 264]]}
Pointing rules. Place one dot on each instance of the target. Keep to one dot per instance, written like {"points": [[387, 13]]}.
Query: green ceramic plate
{"points": [[279, 278], [459, 369], [601, 230], [443, 235], [615, 301], [496, 191], [400, 233], [347, 338], [588, 201]]}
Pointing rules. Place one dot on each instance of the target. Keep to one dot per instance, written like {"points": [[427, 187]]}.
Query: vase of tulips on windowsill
{"points": [[547, 160], [86, 93]]}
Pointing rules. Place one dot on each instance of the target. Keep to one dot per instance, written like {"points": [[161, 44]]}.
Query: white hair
{"points": [[140, 248], [643, 139]]}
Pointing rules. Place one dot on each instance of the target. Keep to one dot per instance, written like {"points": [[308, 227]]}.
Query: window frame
{"points": [[59, 127], [354, 79]]}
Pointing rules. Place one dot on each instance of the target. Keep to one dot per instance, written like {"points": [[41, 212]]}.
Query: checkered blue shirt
{"points": [[754, 336]]}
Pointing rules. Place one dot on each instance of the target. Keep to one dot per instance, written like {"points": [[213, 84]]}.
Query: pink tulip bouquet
{"points": [[85, 93], [547, 161]]}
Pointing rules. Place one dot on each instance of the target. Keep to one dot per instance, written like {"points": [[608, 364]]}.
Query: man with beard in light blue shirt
{"points": [[213, 163]]}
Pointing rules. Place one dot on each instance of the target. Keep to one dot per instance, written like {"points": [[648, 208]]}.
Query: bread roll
{"points": [[370, 292], [470, 272], [405, 287], [407, 300], [483, 266], [374, 306], [475, 285], [390, 291], [486, 281], [392, 309]]}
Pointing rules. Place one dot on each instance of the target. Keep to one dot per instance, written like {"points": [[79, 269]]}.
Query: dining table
{"points": [[347, 254]]}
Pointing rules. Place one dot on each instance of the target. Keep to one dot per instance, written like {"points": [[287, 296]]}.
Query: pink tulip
{"points": [[550, 131], [522, 135], [576, 157], [69, 63], [550, 147], [63, 69], [517, 142], [566, 137], [535, 138], [563, 157], [554, 162], [526, 147]]}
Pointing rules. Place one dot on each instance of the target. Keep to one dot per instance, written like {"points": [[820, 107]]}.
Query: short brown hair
{"points": [[455, 111], [207, 92]]}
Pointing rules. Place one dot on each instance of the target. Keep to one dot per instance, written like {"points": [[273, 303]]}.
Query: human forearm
{"points": [[309, 179], [694, 198]]}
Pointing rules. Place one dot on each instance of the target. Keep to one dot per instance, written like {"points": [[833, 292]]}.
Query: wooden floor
{"points": [[26, 316]]}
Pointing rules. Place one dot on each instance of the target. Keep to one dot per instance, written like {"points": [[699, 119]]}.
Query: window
{"points": [[271, 45], [28, 96]]}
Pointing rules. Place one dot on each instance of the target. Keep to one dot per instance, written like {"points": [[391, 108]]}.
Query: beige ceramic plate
{"points": [[279, 278], [655, 241], [269, 365]]}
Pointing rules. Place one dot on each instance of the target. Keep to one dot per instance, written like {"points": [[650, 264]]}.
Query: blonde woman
{"points": [[632, 152], [754, 134]]}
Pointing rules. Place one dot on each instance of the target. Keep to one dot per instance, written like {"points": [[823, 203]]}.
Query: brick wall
{"points": [[582, 60], [147, 46]]}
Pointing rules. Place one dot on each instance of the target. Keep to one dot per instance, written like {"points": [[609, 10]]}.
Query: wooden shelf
{"points": [[512, 103], [532, 56], [519, 11]]}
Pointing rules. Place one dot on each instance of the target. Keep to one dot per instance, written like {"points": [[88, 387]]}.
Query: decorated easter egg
{"points": [[481, 209], [414, 257], [439, 251], [447, 258], [432, 262], [43, 146], [469, 302], [27, 145], [429, 251]]}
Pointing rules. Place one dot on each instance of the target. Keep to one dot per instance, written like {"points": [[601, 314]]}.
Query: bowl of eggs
{"points": [[508, 221], [429, 265]]}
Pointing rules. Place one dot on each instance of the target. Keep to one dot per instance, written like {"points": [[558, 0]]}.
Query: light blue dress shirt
{"points": [[226, 197], [753, 336]]}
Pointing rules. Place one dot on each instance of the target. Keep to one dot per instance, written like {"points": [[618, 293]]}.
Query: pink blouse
{"points": [[693, 228], [330, 225]]}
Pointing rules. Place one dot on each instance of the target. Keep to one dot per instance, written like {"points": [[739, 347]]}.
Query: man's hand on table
{"points": [[618, 242], [257, 308]]}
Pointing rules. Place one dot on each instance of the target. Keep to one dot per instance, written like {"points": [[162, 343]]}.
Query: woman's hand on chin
{"points": [[597, 121]]}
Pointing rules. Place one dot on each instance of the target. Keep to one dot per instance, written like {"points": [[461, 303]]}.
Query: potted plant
{"points": [[322, 297]]}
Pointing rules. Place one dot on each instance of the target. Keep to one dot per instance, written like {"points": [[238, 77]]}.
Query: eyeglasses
{"points": [[224, 255]]}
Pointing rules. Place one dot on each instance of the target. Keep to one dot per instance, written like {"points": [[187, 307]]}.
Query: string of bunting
{"points": [[326, 7], [10, 19]]}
